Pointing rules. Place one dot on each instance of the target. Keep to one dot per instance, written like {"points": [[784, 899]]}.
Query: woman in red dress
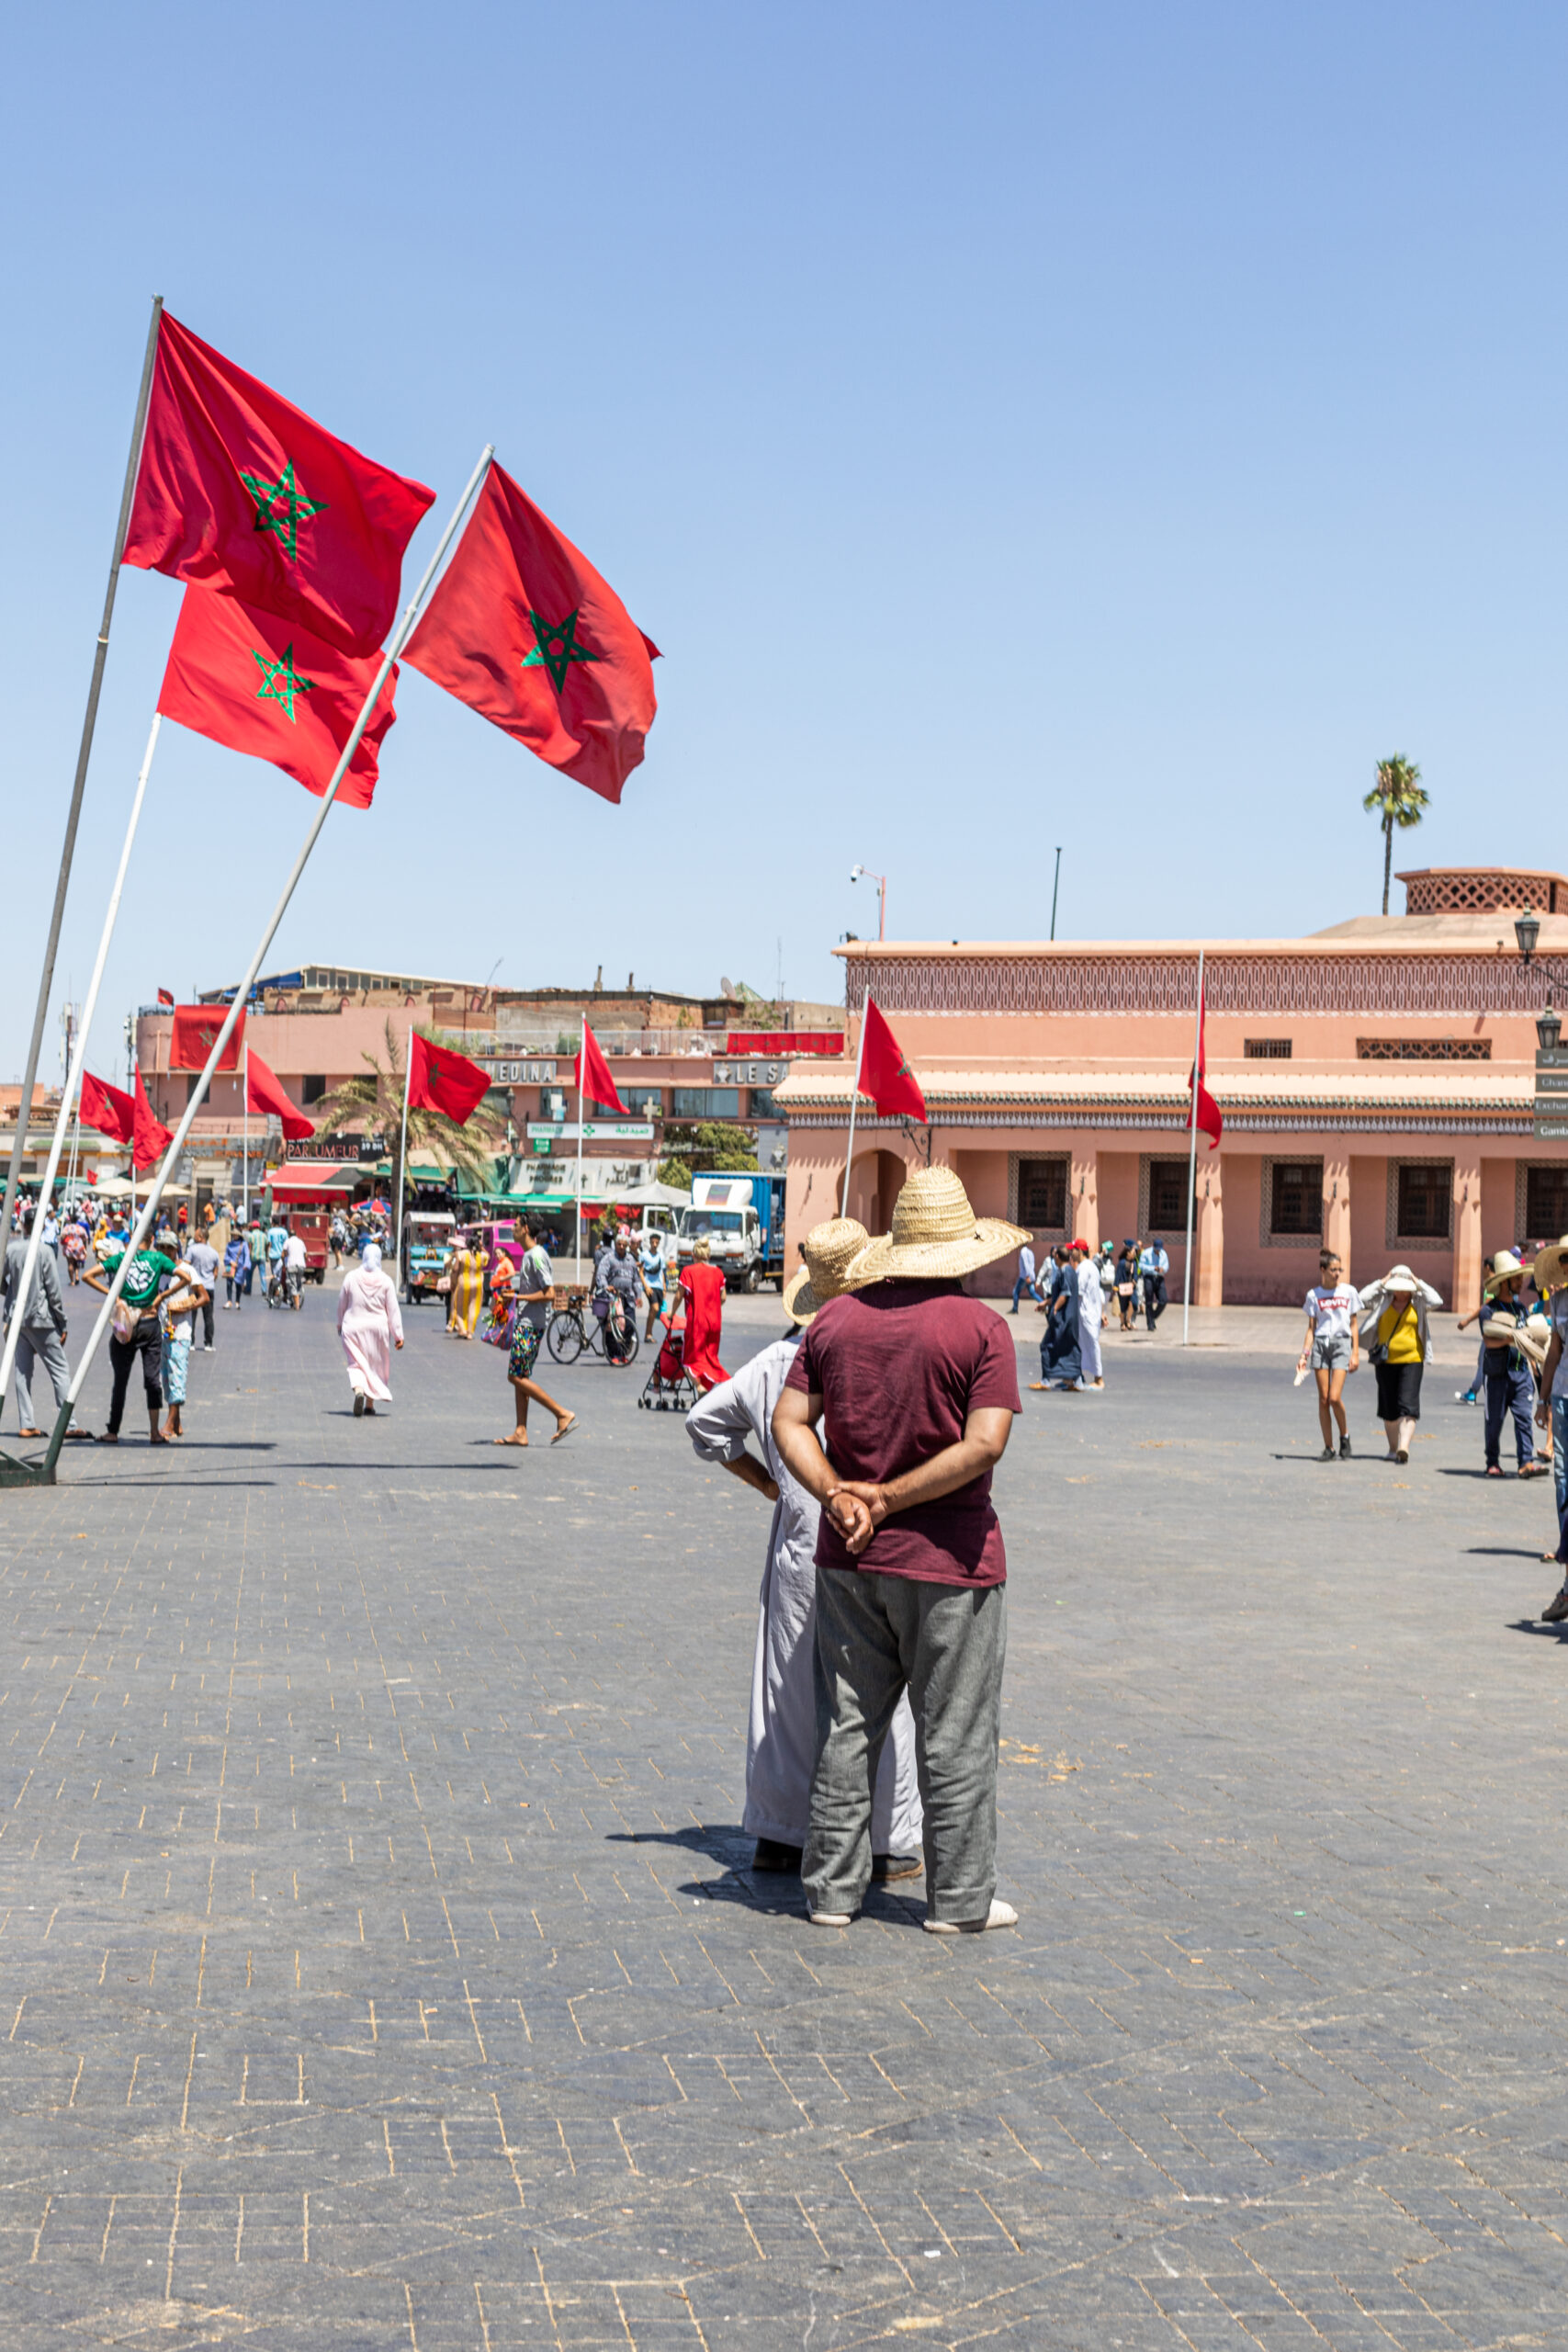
{"points": [[703, 1286]]}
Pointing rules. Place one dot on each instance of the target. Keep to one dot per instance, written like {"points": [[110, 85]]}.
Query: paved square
{"points": [[379, 1966]]}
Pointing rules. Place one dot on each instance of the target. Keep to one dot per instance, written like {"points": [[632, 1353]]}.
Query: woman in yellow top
{"points": [[1399, 1352], [467, 1287]]}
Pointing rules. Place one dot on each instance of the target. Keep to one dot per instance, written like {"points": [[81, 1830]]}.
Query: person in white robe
{"points": [[781, 1733], [1092, 1314], [370, 1325]]}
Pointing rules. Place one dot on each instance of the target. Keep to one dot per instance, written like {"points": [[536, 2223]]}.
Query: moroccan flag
{"points": [[149, 1136], [1204, 1107], [107, 1108], [265, 1096], [194, 1032], [594, 1084], [167, 996], [266, 686], [884, 1074], [440, 1080], [523, 629], [241, 491]]}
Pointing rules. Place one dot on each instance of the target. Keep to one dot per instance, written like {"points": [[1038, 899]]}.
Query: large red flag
{"points": [[265, 1096], [107, 1108], [594, 1084], [884, 1074], [149, 1137], [523, 629], [268, 688], [1205, 1106], [241, 491], [194, 1032], [440, 1080]]}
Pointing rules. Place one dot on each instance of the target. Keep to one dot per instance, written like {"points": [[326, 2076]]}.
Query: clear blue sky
{"points": [[1017, 425]]}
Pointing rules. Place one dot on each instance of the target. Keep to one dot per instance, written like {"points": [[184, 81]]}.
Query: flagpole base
{"points": [[15, 1473]]}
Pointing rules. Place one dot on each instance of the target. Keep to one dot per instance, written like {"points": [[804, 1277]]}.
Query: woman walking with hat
{"points": [[1510, 1385], [781, 1734], [1552, 1282], [1398, 1349]]}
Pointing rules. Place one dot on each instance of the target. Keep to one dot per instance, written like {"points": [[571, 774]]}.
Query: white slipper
{"points": [[1001, 1914]]}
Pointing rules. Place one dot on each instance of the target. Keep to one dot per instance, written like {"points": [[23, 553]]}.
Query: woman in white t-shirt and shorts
{"points": [[1332, 1348]]}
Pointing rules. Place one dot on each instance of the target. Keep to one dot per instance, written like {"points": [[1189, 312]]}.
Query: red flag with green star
{"points": [[267, 687], [242, 491], [523, 629]]}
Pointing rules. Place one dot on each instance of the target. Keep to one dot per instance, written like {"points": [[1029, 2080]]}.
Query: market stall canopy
{"points": [[326, 1177]]}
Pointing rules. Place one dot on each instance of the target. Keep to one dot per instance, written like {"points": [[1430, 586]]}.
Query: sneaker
{"points": [[1327, 1454], [1000, 1915], [832, 1918], [206, 1347], [1556, 1608], [1345, 1447], [771, 1855], [886, 1868]]}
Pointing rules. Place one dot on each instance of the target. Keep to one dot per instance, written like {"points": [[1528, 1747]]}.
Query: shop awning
{"points": [[326, 1176]]}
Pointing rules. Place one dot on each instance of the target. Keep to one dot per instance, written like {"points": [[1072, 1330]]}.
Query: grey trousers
{"points": [[877, 1636], [43, 1347]]}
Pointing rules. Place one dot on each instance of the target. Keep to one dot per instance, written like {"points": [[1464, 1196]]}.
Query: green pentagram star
{"points": [[281, 681], [557, 648], [282, 506]]}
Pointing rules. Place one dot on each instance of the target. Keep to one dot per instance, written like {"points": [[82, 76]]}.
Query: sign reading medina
{"points": [[523, 629], [240, 491], [266, 686]]}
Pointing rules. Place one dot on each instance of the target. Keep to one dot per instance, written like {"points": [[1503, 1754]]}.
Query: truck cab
{"points": [[741, 1219], [427, 1238]]}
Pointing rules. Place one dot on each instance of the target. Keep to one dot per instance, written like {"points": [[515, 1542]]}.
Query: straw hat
{"points": [[936, 1234], [1533, 1338], [1504, 1266], [1551, 1266], [830, 1249], [1400, 1279]]}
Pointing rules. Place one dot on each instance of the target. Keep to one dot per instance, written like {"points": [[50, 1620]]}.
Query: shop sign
{"points": [[749, 1073], [594, 1131]]}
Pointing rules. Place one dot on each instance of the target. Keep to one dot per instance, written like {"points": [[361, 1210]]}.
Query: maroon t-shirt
{"points": [[899, 1368]]}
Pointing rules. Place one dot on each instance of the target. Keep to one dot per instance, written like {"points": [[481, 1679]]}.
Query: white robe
{"points": [[781, 1734], [1092, 1314]]}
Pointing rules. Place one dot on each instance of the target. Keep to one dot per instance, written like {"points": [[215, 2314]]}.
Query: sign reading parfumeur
{"points": [[1552, 1095]]}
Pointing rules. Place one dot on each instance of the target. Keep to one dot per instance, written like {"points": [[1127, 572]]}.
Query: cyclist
{"points": [[294, 1269], [617, 1283]]}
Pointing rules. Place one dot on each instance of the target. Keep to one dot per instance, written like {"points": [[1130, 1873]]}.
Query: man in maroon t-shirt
{"points": [[918, 1385]]}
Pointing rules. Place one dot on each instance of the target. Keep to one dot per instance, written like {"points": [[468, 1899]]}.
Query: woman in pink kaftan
{"points": [[370, 1325]]}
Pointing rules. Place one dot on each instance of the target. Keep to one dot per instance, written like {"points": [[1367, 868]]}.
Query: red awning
{"points": [[775, 1042]]}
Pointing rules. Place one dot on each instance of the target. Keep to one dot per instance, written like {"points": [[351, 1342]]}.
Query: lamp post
{"points": [[1527, 931], [1549, 1029], [864, 873]]}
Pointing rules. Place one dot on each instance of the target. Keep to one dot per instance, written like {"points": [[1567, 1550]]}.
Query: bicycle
{"points": [[568, 1332]]}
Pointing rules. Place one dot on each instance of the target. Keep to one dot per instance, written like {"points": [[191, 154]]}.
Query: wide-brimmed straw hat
{"points": [[831, 1249], [1400, 1279], [1505, 1266], [936, 1234], [1551, 1268]]}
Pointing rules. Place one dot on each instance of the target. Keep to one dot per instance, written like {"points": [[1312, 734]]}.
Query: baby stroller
{"points": [[671, 1388]]}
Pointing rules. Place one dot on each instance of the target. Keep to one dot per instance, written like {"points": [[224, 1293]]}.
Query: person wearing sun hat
{"points": [[1398, 1348], [1510, 1385], [1550, 1276], [781, 1733], [917, 1384]]}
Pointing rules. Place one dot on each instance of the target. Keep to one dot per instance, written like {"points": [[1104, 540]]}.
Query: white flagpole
{"points": [[402, 1175], [84, 754], [581, 1064], [78, 1059], [245, 1135], [854, 1100], [242, 994], [1192, 1155]]}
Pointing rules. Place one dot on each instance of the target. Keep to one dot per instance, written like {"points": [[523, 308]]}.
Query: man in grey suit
{"points": [[41, 1337]]}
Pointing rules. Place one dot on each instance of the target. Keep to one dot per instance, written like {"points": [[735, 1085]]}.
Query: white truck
{"points": [[741, 1219]]}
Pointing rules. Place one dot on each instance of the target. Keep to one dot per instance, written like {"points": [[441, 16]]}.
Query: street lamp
{"points": [[1549, 1029], [864, 873], [1527, 931]]}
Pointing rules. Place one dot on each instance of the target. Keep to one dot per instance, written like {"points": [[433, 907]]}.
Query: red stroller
{"points": [[670, 1387]]}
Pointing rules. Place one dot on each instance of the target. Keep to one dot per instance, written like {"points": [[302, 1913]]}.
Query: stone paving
{"points": [[380, 1965]]}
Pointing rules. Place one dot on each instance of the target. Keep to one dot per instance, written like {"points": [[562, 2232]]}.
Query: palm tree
{"points": [[1399, 800], [374, 1105]]}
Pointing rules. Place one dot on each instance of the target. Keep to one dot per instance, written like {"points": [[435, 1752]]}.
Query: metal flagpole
{"points": [[78, 1058], [402, 1176], [89, 721], [854, 1099], [245, 1135], [581, 1064], [242, 994], [1192, 1157]]}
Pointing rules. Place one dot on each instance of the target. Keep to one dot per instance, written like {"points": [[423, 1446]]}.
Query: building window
{"points": [[1295, 1197], [645, 1105], [1425, 1192], [1042, 1195], [705, 1101], [1546, 1202], [311, 1088], [1267, 1049], [1424, 1049], [1168, 1195], [762, 1103]]}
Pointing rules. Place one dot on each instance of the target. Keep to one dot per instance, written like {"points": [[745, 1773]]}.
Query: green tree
{"points": [[709, 1143], [373, 1104], [1399, 800]]}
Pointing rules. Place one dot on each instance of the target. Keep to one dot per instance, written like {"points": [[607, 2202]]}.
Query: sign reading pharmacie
{"points": [[592, 1130]]}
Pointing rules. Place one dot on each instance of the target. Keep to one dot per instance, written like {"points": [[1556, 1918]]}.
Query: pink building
{"points": [[1380, 1083]]}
